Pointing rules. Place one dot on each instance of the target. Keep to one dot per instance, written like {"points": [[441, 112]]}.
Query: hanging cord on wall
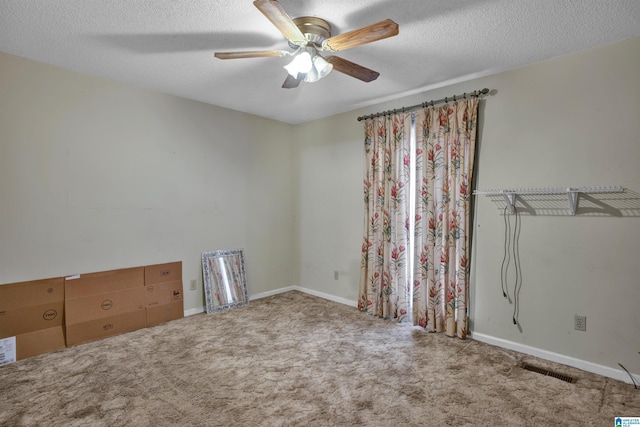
{"points": [[516, 263], [504, 270], [511, 252]]}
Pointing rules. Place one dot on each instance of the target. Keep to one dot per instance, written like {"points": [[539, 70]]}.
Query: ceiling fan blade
{"points": [[352, 69], [251, 54], [370, 33], [283, 22], [292, 82]]}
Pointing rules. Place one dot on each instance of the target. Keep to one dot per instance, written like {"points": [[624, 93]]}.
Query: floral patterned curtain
{"points": [[384, 278], [445, 146], [435, 293]]}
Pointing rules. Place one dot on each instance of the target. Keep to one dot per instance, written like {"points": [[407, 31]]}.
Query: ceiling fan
{"points": [[308, 36]]}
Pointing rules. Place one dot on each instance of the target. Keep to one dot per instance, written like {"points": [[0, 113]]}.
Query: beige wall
{"points": [[95, 175], [567, 122], [570, 121], [329, 157]]}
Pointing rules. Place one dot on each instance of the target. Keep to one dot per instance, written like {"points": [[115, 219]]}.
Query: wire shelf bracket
{"points": [[573, 194]]}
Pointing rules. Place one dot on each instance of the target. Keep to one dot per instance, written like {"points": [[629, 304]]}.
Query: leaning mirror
{"points": [[225, 284]]}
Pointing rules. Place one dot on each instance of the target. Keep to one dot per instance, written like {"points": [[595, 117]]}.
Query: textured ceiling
{"points": [[168, 45]]}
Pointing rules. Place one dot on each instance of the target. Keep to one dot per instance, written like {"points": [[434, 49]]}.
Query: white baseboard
{"points": [[324, 295], [556, 357], [271, 293], [306, 291], [193, 311], [199, 310]]}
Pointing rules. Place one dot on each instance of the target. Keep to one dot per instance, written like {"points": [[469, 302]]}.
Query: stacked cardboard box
{"points": [[163, 299], [99, 305], [37, 316], [32, 317]]}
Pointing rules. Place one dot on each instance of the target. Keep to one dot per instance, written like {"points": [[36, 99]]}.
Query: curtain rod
{"points": [[474, 94]]}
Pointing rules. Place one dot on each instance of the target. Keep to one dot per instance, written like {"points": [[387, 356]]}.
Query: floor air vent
{"points": [[542, 371]]}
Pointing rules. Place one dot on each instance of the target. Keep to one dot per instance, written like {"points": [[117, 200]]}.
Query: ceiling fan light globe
{"points": [[322, 66], [320, 69], [311, 76], [301, 64]]}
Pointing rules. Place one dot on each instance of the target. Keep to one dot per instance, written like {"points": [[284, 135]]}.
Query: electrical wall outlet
{"points": [[580, 323], [193, 285]]}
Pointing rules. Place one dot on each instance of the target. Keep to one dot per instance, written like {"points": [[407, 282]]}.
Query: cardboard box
{"points": [[31, 318], [164, 302], [163, 293], [103, 304], [164, 313], [84, 285], [160, 273], [32, 313], [39, 342], [36, 292], [108, 304], [30, 306], [93, 330]]}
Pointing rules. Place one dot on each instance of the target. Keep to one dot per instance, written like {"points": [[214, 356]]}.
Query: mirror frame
{"points": [[216, 279]]}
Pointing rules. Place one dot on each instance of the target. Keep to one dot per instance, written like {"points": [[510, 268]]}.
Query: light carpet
{"points": [[297, 360]]}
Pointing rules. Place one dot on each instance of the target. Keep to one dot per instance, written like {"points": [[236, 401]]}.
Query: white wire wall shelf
{"points": [[572, 193]]}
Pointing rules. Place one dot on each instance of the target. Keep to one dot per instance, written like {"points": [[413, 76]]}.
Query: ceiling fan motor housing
{"points": [[316, 30]]}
